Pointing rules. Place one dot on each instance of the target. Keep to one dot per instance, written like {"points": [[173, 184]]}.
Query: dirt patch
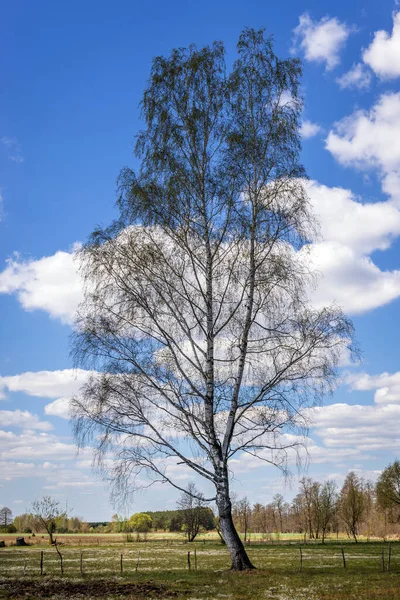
{"points": [[57, 589]]}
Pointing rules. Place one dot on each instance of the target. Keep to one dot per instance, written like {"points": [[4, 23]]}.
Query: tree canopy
{"points": [[196, 306]]}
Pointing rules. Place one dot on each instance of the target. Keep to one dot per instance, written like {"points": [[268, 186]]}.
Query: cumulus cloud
{"points": [[342, 432], [55, 475], [360, 427], [321, 41], [307, 451], [364, 226], [50, 283], [350, 231], [309, 129], [386, 386], [352, 281], [46, 384], [371, 139], [383, 53], [357, 77], [58, 408], [23, 419], [34, 445]]}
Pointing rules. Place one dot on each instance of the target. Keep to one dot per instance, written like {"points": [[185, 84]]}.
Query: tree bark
{"points": [[240, 560]]}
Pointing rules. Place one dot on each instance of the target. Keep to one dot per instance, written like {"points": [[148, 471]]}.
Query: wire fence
{"points": [[66, 561]]}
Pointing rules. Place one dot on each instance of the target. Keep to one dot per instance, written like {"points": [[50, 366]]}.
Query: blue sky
{"points": [[73, 74]]}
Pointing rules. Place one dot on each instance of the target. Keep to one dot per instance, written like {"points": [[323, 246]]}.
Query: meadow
{"points": [[158, 568]]}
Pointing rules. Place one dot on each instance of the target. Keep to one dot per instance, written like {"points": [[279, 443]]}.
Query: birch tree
{"points": [[328, 501], [46, 512], [196, 309], [352, 503], [191, 504], [388, 486]]}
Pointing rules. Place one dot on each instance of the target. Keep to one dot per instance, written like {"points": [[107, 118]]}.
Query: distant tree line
{"points": [[28, 523], [163, 520], [360, 507]]}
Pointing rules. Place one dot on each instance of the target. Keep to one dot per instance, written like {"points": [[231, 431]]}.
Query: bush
{"points": [[8, 529]]}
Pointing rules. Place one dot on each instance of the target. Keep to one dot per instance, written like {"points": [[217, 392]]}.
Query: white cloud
{"points": [[73, 479], [357, 77], [363, 428], [307, 452], [354, 282], [36, 446], [46, 384], [351, 230], [286, 99], [14, 149], [11, 470], [50, 283], [345, 219], [321, 41], [58, 408], [371, 139], [24, 419], [386, 386], [309, 129], [322, 455], [56, 476], [383, 53]]}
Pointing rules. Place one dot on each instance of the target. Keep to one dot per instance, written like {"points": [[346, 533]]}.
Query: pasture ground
{"points": [[162, 571]]}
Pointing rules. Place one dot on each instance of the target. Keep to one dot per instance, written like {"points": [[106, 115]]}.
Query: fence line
{"points": [[384, 559]]}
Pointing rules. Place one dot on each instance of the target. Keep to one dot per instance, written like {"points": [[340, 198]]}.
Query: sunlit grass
{"points": [[278, 569]]}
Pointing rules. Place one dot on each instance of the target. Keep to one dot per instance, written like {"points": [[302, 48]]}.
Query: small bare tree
{"points": [[196, 304], [46, 512], [191, 504], [278, 504], [328, 505], [242, 510], [352, 503]]}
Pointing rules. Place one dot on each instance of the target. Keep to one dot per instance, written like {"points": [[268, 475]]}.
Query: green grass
{"points": [[163, 572]]}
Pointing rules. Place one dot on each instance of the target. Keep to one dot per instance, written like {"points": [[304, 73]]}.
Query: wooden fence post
{"points": [[81, 564], [41, 562], [188, 560], [383, 558], [24, 566], [195, 559], [138, 560], [301, 560], [389, 556], [121, 568]]}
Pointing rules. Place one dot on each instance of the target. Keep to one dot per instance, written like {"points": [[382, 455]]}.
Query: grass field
{"points": [[162, 572], [166, 536]]}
